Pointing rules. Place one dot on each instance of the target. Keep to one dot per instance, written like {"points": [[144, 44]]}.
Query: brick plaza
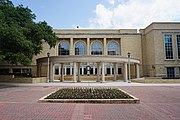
{"points": [[157, 103]]}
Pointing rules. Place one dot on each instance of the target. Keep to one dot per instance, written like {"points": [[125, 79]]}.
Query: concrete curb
{"points": [[107, 101]]}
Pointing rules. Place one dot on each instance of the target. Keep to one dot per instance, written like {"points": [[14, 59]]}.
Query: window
{"points": [[16, 70], [63, 48], [96, 48], [57, 70], [113, 48], [80, 48], [178, 46], [26, 70], [119, 70], [4, 71], [168, 46], [108, 71], [170, 72], [68, 71]]}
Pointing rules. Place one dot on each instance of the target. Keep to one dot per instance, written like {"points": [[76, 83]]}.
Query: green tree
{"points": [[21, 37]]}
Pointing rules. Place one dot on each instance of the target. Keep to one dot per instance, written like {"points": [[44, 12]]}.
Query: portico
{"points": [[99, 61]]}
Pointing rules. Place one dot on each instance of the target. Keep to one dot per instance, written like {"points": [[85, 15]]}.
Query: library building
{"points": [[107, 54]]}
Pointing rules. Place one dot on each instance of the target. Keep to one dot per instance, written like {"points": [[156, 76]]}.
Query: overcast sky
{"points": [[62, 14]]}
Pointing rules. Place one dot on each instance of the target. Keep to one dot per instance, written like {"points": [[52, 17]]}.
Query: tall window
{"points": [[178, 46], [63, 48], [80, 48], [113, 48], [170, 72], [168, 46], [96, 48]]}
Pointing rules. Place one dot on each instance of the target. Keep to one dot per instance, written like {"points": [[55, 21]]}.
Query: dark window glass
{"points": [[170, 72], [168, 46], [112, 70], [113, 48], [68, 71], [91, 71], [80, 48], [4, 71], [108, 71], [178, 46], [85, 71], [63, 48], [26, 70], [96, 48], [96, 71], [16, 70], [119, 70], [56, 70]]}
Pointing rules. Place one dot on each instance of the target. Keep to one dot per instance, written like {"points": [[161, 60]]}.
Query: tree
{"points": [[21, 37]]}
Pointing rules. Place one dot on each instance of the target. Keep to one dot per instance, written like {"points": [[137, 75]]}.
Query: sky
{"points": [[103, 14]]}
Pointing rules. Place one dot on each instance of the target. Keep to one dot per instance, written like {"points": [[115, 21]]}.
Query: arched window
{"points": [[80, 48], [63, 48], [113, 48], [96, 48]]}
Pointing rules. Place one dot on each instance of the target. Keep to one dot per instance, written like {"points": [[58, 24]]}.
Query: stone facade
{"points": [[146, 47], [154, 58]]}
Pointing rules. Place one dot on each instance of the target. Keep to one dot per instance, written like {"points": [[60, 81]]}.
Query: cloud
{"points": [[134, 13], [111, 1], [103, 16]]}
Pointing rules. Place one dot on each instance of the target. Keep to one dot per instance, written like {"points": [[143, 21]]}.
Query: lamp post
{"points": [[129, 72], [48, 55]]}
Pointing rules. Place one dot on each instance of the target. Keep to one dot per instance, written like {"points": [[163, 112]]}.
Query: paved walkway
{"points": [[88, 83], [20, 101]]}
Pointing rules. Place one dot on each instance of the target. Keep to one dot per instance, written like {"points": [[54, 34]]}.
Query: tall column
{"points": [[98, 72], [51, 71], [137, 70], [94, 70], [82, 68], [62, 72], [115, 72], [70, 69], [71, 46], [53, 68], [59, 69], [111, 70], [65, 70], [125, 72], [88, 46], [78, 72], [74, 72], [103, 75], [105, 47]]}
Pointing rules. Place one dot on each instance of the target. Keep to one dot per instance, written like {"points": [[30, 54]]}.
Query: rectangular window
{"points": [[168, 46], [108, 71], [67, 71], [16, 70], [170, 72], [119, 70], [26, 70], [4, 71], [178, 46], [56, 70]]}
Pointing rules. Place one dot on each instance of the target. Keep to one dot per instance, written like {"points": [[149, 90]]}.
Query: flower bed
{"points": [[90, 95]]}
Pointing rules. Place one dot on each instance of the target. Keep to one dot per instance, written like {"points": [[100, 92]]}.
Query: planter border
{"points": [[135, 100]]}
